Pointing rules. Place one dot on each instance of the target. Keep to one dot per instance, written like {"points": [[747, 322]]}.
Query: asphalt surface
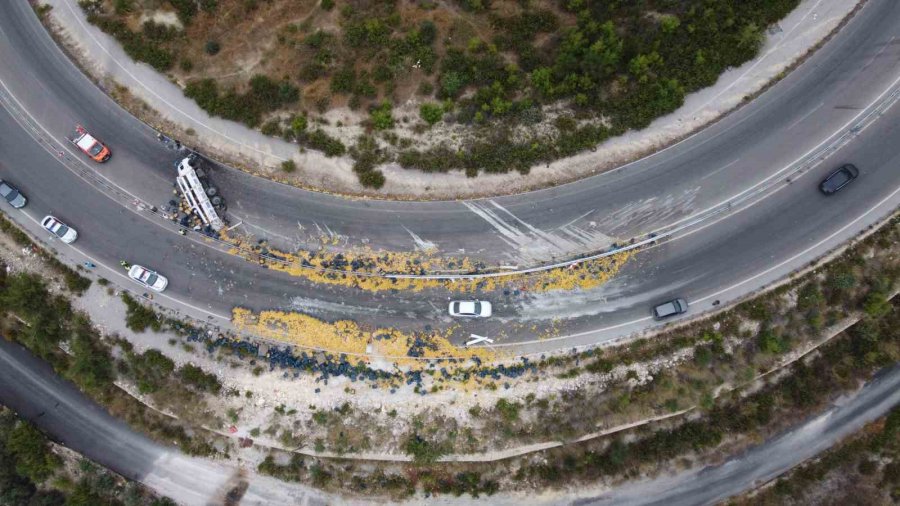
{"points": [[767, 461], [31, 388], [726, 257], [733, 155]]}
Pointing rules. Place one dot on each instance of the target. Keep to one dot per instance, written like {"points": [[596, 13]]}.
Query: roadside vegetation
{"points": [[718, 369], [35, 472], [513, 83], [864, 469], [46, 324]]}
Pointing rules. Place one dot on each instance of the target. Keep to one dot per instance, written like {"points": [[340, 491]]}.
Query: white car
{"points": [[471, 308], [148, 278], [65, 233]]}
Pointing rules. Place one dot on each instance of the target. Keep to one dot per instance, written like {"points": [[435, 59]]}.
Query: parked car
{"points": [[471, 308], [151, 279], [12, 195], [839, 179], [670, 308], [65, 233], [90, 145]]}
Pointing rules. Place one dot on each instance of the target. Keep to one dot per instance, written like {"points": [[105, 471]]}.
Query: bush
{"points": [[318, 139], [150, 370], [199, 380], [34, 459], [509, 411], [298, 125], [212, 47], [372, 179], [288, 166], [424, 451], [431, 113], [381, 116], [138, 317]]}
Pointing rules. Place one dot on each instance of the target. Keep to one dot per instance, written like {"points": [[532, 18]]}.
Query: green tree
{"points": [[431, 113], [34, 459]]}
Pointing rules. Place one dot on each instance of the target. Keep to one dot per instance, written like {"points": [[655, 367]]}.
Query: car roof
{"points": [[466, 306], [86, 141]]}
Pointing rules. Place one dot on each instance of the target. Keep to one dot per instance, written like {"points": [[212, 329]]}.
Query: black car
{"points": [[839, 179]]}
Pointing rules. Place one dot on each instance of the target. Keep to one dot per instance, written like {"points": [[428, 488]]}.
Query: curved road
{"points": [[32, 389], [734, 253]]}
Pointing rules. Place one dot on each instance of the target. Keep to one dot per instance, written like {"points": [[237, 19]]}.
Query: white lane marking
{"points": [[804, 252], [808, 114], [720, 169], [770, 51], [707, 297], [130, 281], [44, 144], [876, 55], [77, 156], [842, 130], [160, 98]]}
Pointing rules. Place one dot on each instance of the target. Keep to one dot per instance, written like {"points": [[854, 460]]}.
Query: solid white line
{"points": [[117, 273], [806, 251], [841, 130], [751, 278], [161, 99], [808, 114]]}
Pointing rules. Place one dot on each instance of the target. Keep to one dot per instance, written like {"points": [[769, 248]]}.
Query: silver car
{"points": [[471, 308], [12, 195], [670, 308], [65, 233]]}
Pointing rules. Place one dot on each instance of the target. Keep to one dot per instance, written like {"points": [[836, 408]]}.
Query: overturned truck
{"points": [[201, 198]]}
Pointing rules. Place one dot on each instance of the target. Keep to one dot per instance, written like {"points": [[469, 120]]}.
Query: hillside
{"points": [[473, 85]]}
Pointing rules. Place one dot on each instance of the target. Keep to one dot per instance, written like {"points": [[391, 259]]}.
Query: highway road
{"points": [[731, 156], [32, 389], [723, 258]]}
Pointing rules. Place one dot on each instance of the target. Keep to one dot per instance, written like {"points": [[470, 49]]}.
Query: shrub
{"points": [[509, 411], [198, 379], [381, 116], [372, 179], [318, 139], [327, 5], [298, 125], [431, 113], [34, 459], [138, 317], [212, 47], [424, 451], [288, 166]]}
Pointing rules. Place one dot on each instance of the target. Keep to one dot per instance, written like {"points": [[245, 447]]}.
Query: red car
{"points": [[90, 145]]}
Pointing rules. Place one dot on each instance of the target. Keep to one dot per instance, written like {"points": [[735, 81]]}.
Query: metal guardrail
{"points": [[784, 177]]}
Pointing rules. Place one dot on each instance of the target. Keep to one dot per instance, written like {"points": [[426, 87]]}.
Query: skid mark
{"points": [[640, 216], [605, 298], [421, 244], [533, 244], [326, 308]]}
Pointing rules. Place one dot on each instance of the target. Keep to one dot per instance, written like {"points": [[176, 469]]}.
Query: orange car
{"points": [[91, 146]]}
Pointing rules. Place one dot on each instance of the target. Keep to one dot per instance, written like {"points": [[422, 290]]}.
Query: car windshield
{"points": [[840, 177], [9, 192], [58, 228], [150, 278], [477, 308], [95, 149]]}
